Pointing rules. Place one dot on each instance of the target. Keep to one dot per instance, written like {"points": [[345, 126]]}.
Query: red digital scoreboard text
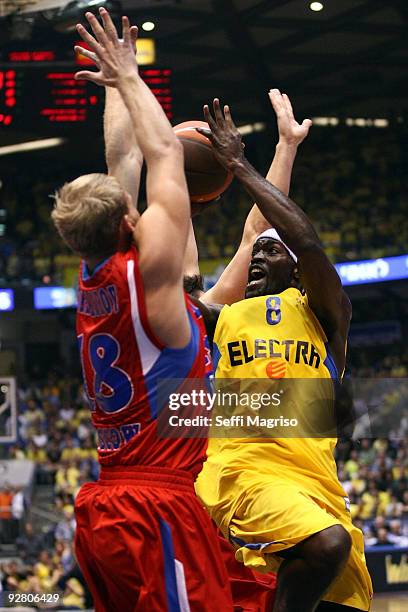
{"points": [[33, 93], [7, 96]]}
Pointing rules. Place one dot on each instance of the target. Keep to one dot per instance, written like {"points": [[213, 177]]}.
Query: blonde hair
{"points": [[88, 213]]}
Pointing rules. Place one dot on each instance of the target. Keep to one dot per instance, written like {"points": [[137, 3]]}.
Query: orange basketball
{"points": [[206, 178]]}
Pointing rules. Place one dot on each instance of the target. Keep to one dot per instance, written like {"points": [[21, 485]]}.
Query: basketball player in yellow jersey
{"points": [[279, 501]]}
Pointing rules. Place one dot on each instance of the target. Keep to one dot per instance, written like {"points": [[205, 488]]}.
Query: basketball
{"points": [[206, 178]]}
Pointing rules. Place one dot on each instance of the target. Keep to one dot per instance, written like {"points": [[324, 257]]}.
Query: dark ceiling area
{"points": [[348, 59]]}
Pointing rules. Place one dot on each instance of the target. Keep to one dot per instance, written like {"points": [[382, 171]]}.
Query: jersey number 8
{"points": [[273, 310]]}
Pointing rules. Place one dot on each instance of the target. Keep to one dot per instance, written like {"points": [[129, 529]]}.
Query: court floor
{"points": [[393, 602]]}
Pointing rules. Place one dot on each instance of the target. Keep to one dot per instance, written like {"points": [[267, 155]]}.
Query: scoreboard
{"points": [[38, 90]]}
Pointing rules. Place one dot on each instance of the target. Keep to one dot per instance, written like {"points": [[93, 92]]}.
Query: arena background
{"points": [[345, 67]]}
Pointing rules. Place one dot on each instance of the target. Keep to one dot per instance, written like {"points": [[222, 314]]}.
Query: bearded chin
{"points": [[258, 289]]}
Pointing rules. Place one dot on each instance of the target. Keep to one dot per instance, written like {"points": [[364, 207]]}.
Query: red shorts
{"points": [[144, 542], [251, 591]]}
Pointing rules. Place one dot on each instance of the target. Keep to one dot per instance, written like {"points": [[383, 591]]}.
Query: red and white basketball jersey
{"points": [[123, 361]]}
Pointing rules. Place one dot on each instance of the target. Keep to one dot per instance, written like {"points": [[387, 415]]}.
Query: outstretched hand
{"points": [[223, 134], [115, 58], [290, 131]]}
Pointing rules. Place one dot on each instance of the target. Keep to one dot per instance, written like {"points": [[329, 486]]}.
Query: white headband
{"points": [[272, 233]]}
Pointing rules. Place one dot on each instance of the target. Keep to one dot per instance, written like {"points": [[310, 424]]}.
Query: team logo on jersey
{"points": [[276, 369]]}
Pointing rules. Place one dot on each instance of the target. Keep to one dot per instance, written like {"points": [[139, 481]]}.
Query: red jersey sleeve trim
{"points": [[142, 304]]}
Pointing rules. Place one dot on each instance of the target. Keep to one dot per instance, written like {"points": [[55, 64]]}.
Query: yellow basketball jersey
{"points": [[277, 337], [268, 494], [271, 336]]}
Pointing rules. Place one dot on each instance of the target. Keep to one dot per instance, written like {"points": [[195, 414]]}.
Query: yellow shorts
{"points": [[271, 514]]}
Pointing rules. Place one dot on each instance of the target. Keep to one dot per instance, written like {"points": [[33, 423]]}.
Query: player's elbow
{"points": [[122, 164], [169, 147], [249, 236], [308, 246]]}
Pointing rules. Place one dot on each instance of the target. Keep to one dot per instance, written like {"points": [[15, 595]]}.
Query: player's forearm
{"points": [[118, 129], [289, 220], [318, 277], [231, 285], [166, 186], [124, 158], [279, 174], [191, 267], [150, 124]]}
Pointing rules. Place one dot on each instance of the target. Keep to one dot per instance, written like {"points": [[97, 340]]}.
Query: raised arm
{"points": [[230, 286], [193, 281], [123, 156], [291, 135], [161, 233], [318, 276]]}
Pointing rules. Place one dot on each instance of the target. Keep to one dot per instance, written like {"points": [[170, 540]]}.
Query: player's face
{"points": [[271, 269]]}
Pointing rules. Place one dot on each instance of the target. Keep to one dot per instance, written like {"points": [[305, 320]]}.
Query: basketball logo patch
{"points": [[276, 369]]}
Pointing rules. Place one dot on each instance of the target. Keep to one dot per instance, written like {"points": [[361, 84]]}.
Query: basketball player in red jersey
{"points": [[143, 540]]}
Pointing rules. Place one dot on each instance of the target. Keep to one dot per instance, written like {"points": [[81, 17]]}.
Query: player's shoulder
{"points": [[230, 316], [239, 312], [294, 296], [341, 322]]}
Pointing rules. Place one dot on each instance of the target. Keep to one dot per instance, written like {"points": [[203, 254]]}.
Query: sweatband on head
{"points": [[272, 233]]}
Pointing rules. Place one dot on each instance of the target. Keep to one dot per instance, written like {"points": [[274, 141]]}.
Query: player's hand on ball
{"points": [[223, 134], [115, 58], [290, 131]]}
